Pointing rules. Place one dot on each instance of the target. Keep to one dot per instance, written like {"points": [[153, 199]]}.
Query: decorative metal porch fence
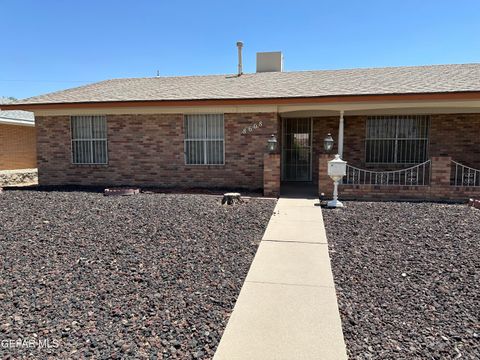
{"points": [[464, 176], [418, 175]]}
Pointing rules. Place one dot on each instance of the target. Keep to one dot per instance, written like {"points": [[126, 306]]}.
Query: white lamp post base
{"points": [[334, 204]]}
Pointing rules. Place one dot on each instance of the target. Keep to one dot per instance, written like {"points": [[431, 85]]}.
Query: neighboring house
{"points": [[18, 149], [212, 131]]}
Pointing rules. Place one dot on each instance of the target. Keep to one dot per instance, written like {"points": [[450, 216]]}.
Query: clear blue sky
{"points": [[50, 45]]}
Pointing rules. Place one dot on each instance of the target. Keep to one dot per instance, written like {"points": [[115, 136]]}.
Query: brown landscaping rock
{"points": [[475, 203], [407, 277], [146, 276]]}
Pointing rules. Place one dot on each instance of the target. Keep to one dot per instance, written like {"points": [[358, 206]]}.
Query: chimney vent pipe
{"points": [[240, 65]]}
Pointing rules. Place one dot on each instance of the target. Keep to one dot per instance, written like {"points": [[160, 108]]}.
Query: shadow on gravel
{"points": [[146, 190]]}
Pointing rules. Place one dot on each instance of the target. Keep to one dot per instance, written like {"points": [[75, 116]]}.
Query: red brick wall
{"points": [[457, 136], [321, 127], [454, 137], [271, 174], [17, 147], [428, 193], [438, 190], [325, 183], [149, 150]]}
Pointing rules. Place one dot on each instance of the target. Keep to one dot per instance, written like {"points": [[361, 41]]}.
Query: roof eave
{"points": [[459, 95], [6, 121]]}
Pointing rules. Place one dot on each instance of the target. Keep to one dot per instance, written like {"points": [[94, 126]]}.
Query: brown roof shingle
{"points": [[373, 81]]}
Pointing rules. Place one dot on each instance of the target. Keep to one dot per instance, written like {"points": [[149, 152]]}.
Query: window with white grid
{"points": [[204, 139], [399, 139], [89, 139]]}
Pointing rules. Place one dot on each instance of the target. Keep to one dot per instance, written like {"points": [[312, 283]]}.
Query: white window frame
{"points": [[204, 140], [91, 140], [398, 118]]}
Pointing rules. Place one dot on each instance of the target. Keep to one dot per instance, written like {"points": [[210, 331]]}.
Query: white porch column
{"points": [[340, 135]]}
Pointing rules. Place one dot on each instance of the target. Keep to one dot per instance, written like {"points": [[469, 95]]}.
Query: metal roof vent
{"points": [[269, 61], [240, 65]]}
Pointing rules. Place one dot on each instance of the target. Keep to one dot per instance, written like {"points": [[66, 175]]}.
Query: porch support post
{"points": [[325, 183], [340, 134], [271, 174]]}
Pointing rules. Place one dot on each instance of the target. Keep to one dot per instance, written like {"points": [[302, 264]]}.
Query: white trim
{"points": [[389, 178], [461, 181], [341, 127]]}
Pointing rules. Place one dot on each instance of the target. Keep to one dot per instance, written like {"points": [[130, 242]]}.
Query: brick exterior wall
{"points": [[457, 136], [17, 147], [438, 190], [271, 174], [454, 135], [325, 183], [451, 136], [148, 150]]}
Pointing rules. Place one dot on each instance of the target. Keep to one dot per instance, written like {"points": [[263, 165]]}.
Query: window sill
{"points": [[90, 165]]}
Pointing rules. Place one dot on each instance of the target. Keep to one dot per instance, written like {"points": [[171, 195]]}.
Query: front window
{"points": [[204, 139], [89, 139], [401, 139]]}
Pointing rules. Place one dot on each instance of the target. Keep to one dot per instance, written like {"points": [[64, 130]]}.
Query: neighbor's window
{"points": [[89, 139], [204, 139], [397, 139]]}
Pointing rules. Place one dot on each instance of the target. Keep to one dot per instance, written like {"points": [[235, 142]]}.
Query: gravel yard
{"points": [[407, 278], [146, 276]]}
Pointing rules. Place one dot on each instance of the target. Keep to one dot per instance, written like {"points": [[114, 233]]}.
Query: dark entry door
{"points": [[297, 149]]}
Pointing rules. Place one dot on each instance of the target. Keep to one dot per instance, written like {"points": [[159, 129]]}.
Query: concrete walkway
{"points": [[287, 308]]}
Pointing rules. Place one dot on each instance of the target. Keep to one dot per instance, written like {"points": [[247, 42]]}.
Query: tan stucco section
{"points": [[17, 147]]}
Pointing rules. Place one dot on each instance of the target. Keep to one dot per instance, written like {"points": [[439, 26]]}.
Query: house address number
{"points": [[252, 127]]}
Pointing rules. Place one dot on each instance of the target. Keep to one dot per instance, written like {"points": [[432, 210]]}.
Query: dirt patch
{"points": [[22, 177]]}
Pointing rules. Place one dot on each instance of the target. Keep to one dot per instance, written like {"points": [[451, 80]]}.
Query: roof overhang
{"points": [[471, 95], [7, 121]]}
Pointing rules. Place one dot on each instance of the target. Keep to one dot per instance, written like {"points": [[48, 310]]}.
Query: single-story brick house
{"points": [[406, 132], [18, 149]]}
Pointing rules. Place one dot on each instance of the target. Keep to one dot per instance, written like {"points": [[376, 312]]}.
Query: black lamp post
{"points": [[328, 143]]}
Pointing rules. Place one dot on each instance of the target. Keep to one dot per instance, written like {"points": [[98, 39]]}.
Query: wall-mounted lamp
{"points": [[328, 143], [272, 143]]}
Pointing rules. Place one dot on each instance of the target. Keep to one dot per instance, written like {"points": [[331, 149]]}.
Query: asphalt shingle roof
{"points": [[373, 81], [17, 115]]}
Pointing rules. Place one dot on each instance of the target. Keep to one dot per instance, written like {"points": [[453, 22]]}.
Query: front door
{"points": [[297, 149]]}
